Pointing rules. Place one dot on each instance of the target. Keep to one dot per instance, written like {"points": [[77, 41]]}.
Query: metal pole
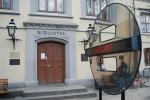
{"points": [[123, 95], [13, 40], [100, 94]]}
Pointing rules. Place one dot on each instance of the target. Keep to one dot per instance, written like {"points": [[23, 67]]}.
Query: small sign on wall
{"points": [[14, 58], [84, 57], [14, 61]]}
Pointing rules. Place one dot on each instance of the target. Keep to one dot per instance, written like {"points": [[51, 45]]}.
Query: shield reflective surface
{"points": [[115, 50]]}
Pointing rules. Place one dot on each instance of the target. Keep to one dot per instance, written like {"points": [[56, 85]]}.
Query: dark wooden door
{"points": [[50, 62]]}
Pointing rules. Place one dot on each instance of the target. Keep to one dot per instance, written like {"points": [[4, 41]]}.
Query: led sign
{"points": [[125, 45]]}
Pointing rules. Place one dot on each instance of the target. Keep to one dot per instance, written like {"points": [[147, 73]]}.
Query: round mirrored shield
{"points": [[114, 50]]}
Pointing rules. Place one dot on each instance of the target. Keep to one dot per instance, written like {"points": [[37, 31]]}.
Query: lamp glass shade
{"points": [[11, 28], [90, 26], [11, 31]]}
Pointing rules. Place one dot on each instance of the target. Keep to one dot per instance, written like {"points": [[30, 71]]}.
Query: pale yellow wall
{"points": [[145, 44], [83, 68], [14, 73], [145, 38], [17, 73]]}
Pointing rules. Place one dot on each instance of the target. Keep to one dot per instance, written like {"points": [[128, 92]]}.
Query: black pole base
{"points": [[123, 95], [100, 94]]}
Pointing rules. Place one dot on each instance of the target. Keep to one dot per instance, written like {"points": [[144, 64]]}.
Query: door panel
{"points": [[42, 64], [51, 69]]}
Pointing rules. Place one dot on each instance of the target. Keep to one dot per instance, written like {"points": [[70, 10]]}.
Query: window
{"points": [[92, 7], [106, 63], [6, 4], [103, 4], [147, 56], [145, 22], [53, 6]]}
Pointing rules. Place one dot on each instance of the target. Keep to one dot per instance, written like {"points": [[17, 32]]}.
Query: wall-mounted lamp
{"points": [[11, 32], [91, 31]]}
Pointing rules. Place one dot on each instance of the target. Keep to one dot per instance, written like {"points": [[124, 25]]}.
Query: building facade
{"points": [[50, 30]]}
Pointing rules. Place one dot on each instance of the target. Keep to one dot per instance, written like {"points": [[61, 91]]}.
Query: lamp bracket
{"points": [[85, 42], [14, 39]]}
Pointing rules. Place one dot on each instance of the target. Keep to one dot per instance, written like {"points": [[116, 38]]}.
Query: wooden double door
{"points": [[50, 63]]}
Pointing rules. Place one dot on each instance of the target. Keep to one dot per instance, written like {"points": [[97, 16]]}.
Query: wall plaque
{"points": [[14, 58]]}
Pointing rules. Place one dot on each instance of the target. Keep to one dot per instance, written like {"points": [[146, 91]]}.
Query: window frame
{"points": [[101, 1], [55, 7], [10, 6], [145, 23]]}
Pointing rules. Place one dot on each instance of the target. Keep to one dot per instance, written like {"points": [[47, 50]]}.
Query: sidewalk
{"points": [[131, 94]]}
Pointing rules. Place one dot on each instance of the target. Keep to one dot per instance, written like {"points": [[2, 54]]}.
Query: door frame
{"points": [[66, 62], [55, 43]]}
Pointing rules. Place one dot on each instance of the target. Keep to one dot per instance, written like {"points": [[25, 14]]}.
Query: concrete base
{"points": [[16, 85]]}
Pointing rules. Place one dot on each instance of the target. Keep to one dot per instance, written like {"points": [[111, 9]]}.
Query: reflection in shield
{"points": [[116, 52]]}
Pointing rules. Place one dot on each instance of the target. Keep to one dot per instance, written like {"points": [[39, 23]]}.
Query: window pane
{"points": [[96, 7], [89, 7], [143, 19], [109, 64], [103, 4], [59, 5], [148, 27], [105, 14], [42, 4], [51, 5], [147, 18], [143, 26], [6, 4]]}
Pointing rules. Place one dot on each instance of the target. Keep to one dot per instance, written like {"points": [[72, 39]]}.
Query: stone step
{"points": [[48, 90], [95, 98], [88, 94], [11, 94]]}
